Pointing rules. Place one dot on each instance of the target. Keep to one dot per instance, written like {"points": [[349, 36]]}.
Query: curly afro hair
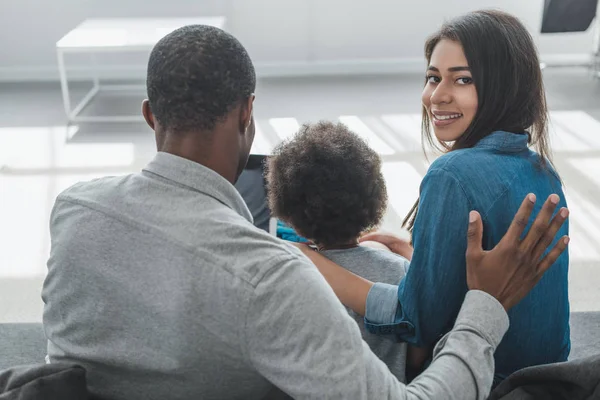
{"points": [[196, 75], [327, 183]]}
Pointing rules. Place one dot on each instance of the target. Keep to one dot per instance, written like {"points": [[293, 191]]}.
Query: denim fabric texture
{"points": [[493, 178]]}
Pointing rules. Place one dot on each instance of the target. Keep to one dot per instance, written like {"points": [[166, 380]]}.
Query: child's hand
{"points": [[374, 245], [395, 243]]}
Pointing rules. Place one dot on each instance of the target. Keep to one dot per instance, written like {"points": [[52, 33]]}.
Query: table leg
{"points": [[596, 51], [95, 77], [63, 82]]}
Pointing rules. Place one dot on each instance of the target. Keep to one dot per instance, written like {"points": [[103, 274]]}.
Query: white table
{"points": [[117, 35]]}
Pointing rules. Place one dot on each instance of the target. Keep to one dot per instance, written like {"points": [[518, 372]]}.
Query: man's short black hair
{"points": [[196, 75], [327, 183]]}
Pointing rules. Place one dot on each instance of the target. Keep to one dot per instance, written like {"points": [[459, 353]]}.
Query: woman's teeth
{"points": [[444, 117]]}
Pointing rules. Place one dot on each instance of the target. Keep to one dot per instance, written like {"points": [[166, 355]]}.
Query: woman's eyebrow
{"points": [[451, 69]]}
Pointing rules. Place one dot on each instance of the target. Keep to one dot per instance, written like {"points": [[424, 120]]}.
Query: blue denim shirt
{"points": [[493, 178]]}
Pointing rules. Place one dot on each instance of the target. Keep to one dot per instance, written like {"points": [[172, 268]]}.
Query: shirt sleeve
{"points": [[429, 297], [300, 338], [481, 323], [382, 300], [381, 312]]}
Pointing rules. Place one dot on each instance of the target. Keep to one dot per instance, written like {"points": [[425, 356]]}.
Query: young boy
{"points": [[327, 184]]}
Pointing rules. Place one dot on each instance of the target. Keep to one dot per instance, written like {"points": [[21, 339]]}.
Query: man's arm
{"points": [[302, 340], [300, 337], [465, 355]]}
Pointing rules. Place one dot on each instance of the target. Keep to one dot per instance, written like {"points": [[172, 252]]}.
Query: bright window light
{"points": [[26, 201], [261, 144], [385, 132], [574, 130], [356, 125], [95, 155], [589, 167], [584, 226], [406, 126], [47, 147], [285, 127], [402, 181]]}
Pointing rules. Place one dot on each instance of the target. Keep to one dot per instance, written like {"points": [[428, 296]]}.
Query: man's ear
{"points": [[246, 113], [147, 113]]}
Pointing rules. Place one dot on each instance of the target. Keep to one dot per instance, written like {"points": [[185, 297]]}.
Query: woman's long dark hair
{"points": [[508, 79]]}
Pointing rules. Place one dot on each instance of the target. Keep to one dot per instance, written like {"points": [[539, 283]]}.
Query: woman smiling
{"points": [[484, 106]]}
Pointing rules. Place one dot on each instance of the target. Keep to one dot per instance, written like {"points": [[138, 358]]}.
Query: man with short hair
{"points": [[160, 286]]}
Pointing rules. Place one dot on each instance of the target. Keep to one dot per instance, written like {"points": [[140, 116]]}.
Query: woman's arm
{"points": [[435, 285]]}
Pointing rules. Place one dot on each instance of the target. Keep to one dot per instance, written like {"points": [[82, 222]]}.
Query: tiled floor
{"points": [[40, 156]]}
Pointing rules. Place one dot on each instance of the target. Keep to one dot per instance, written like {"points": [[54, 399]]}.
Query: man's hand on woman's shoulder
{"points": [[512, 268]]}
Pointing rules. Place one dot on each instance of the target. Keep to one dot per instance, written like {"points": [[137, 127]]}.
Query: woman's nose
{"points": [[441, 95]]}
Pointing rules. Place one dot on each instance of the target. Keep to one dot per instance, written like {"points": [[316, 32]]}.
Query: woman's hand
{"points": [[395, 243]]}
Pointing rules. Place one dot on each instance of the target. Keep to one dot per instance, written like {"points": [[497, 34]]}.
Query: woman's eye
{"points": [[433, 79], [464, 81]]}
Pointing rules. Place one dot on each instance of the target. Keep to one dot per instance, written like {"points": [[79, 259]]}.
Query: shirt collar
{"points": [[200, 179], [505, 141]]}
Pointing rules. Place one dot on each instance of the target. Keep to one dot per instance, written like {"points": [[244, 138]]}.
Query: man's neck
{"points": [[203, 152]]}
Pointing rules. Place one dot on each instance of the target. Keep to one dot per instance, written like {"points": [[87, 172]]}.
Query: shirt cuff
{"points": [[483, 313], [382, 304]]}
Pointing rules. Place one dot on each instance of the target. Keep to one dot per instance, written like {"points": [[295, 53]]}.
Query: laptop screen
{"points": [[251, 185]]}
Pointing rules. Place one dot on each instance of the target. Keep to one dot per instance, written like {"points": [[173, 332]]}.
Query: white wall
{"points": [[284, 37]]}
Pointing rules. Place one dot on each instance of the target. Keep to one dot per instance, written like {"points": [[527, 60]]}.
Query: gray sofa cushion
{"points": [[585, 334], [21, 344]]}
